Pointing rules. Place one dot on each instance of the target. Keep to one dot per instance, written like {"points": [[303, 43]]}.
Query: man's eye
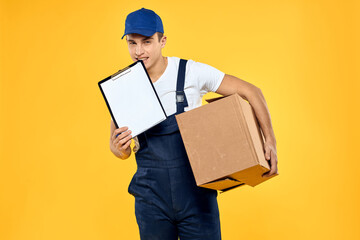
{"points": [[132, 43], [147, 41]]}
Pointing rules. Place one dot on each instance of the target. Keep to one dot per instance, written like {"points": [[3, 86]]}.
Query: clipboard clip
{"points": [[120, 73]]}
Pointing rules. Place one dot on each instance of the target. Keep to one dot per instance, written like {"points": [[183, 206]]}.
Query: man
{"points": [[168, 204]]}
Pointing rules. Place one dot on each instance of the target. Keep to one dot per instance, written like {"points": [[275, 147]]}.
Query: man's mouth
{"points": [[143, 59]]}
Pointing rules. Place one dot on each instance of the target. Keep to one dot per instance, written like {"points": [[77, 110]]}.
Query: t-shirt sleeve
{"points": [[208, 78]]}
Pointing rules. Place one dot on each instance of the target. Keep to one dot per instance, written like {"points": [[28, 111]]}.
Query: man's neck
{"points": [[157, 70]]}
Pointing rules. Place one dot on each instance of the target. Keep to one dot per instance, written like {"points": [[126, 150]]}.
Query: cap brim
{"points": [[144, 32]]}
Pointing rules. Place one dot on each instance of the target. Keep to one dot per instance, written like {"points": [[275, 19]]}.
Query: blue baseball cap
{"points": [[143, 21]]}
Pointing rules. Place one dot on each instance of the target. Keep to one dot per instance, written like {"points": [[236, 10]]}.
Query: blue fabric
{"points": [[168, 204]]}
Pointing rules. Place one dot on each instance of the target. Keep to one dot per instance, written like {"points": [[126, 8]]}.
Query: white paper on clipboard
{"points": [[132, 99]]}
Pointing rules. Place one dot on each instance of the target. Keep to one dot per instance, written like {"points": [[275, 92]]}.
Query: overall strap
{"points": [[181, 101]]}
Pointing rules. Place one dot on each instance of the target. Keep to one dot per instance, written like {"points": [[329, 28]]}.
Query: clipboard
{"points": [[132, 100]]}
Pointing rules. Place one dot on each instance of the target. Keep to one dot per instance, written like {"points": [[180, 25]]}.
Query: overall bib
{"points": [[168, 204]]}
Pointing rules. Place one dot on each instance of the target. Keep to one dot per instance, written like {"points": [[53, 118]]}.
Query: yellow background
{"points": [[58, 178]]}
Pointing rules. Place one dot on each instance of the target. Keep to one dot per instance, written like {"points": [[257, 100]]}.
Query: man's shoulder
{"points": [[177, 60], [192, 67], [173, 59]]}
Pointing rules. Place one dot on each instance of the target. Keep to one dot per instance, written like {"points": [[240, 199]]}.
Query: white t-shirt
{"points": [[200, 79]]}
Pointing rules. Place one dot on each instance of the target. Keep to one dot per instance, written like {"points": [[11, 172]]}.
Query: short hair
{"points": [[160, 35]]}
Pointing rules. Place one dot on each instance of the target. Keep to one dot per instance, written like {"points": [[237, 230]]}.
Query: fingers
{"points": [[267, 153], [122, 139], [272, 162], [127, 144], [119, 131]]}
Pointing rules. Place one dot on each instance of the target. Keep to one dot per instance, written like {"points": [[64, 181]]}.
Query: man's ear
{"points": [[163, 41]]}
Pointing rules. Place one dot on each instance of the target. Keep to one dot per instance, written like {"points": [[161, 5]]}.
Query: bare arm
{"points": [[254, 96], [120, 145]]}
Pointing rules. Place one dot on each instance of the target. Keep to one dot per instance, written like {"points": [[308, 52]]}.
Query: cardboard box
{"points": [[224, 144]]}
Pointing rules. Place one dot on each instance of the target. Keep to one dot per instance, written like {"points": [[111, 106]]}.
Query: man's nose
{"points": [[139, 50]]}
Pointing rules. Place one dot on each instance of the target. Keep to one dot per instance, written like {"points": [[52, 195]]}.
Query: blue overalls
{"points": [[168, 204]]}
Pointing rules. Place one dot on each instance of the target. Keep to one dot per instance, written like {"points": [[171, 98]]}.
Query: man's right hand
{"points": [[120, 141]]}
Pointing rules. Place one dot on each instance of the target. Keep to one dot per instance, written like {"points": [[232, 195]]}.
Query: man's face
{"points": [[145, 48]]}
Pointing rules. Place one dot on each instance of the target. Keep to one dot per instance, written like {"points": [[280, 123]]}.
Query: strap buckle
{"points": [[180, 96]]}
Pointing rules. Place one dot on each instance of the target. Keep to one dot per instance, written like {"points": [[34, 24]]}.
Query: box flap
{"points": [[223, 184], [227, 189], [252, 176]]}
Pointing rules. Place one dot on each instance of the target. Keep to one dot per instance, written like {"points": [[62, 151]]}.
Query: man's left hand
{"points": [[271, 156]]}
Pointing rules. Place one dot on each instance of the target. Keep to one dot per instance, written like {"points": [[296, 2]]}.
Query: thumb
{"points": [[267, 154]]}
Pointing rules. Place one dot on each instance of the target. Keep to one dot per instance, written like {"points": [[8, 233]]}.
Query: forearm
{"points": [[258, 103]]}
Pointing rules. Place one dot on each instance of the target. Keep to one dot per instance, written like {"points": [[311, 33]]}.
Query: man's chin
{"points": [[147, 65]]}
